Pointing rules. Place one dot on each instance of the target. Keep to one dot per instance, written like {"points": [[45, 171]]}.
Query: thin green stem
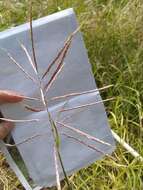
{"points": [[55, 136], [64, 172]]}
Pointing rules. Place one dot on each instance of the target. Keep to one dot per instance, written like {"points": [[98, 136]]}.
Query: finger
{"points": [[7, 96], [5, 129]]}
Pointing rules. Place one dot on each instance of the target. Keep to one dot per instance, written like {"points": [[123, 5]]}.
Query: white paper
{"points": [[50, 34]]}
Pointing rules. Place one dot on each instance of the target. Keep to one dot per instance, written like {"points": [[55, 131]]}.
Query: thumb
{"points": [[7, 96], [5, 129]]}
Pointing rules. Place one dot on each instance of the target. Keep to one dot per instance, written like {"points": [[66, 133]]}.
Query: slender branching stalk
{"points": [[32, 38], [19, 121], [28, 56], [26, 140], [79, 93], [87, 145], [53, 78], [20, 67], [33, 109], [62, 53], [83, 133], [59, 60], [72, 95], [87, 105], [29, 98]]}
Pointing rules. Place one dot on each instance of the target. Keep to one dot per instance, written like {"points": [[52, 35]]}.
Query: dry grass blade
{"points": [[32, 38], [56, 59], [80, 93], [82, 142], [26, 140], [19, 121], [20, 67], [56, 169], [83, 134], [62, 52], [87, 145], [132, 151], [29, 98], [60, 62], [87, 105], [33, 109], [59, 67], [28, 56], [53, 78]]}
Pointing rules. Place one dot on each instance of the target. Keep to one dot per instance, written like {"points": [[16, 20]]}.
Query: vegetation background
{"points": [[113, 33]]}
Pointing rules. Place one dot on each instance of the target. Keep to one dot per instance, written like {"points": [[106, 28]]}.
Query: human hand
{"points": [[8, 97]]}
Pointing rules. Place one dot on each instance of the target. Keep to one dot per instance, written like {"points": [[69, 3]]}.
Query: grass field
{"points": [[113, 34]]}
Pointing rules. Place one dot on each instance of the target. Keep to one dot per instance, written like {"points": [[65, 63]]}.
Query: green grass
{"points": [[113, 34]]}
